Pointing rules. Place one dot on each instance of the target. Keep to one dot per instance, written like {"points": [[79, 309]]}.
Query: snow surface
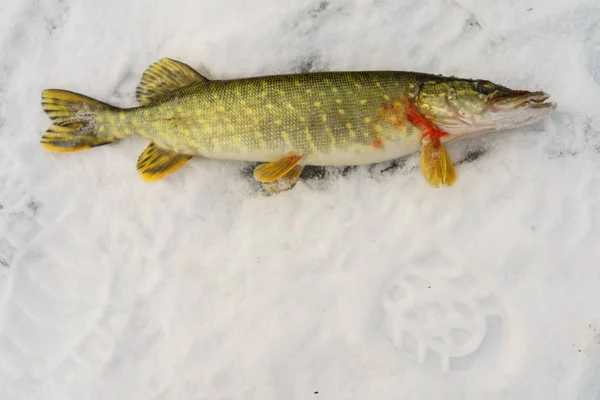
{"points": [[365, 284]]}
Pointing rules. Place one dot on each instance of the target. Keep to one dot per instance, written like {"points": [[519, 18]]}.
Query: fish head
{"points": [[467, 108]]}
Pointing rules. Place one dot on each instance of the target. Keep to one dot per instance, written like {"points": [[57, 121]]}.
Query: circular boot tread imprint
{"points": [[441, 318]]}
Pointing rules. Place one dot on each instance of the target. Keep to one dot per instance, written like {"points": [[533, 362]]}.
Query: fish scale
{"points": [[311, 114]]}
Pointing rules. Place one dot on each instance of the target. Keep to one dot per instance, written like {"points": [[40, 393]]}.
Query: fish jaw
{"points": [[515, 109]]}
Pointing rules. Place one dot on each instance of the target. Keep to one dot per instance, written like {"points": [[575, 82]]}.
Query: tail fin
{"points": [[75, 127]]}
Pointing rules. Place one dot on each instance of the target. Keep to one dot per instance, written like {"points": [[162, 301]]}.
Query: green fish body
{"points": [[286, 121]]}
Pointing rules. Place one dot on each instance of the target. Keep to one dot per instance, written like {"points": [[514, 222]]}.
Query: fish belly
{"points": [[360, 155]]}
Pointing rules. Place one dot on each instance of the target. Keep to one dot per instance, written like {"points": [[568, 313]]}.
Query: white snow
{"points": [[365, 285]]}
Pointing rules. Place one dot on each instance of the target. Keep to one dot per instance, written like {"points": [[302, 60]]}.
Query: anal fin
{"points": [[155, 162], [270, 172], [436, 164]]}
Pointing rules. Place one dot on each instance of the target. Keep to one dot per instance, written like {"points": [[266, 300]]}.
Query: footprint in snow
{"points": [[441, 318]]}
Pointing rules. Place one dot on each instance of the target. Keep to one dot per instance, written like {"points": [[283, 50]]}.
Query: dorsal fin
{"points": [[163, 77]]}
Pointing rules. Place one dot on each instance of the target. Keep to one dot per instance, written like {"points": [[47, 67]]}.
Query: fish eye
{"points": [[485, 87]]}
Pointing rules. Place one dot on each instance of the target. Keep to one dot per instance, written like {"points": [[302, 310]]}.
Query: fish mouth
{"points": [[520, 99], [511, 109]]}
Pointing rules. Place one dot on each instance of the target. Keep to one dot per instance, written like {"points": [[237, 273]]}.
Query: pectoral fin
{"points": [[156, 162], [436, 164], [270, 172]]}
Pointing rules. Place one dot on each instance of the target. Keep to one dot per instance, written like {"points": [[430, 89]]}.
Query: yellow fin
{"points": [[294, 173], [270, 172], [67, 138], [156, 162], [64, 107], [164, 77], [286, 182], [436, 164], [74, 121]]}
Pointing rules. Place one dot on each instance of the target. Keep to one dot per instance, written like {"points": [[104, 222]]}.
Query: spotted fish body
{"points": [[331, 118], [288, 121]]}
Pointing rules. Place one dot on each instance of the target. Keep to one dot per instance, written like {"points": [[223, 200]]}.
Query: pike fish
{"points": [[286, 122]]}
